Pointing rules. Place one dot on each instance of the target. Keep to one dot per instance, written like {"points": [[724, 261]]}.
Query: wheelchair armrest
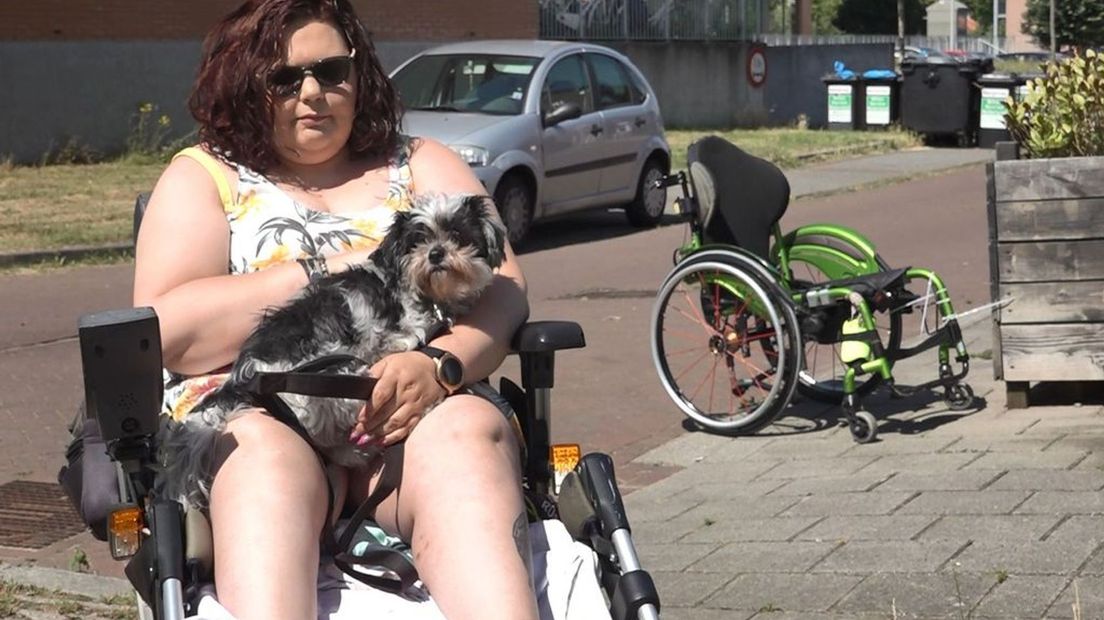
{"points": [[547, 336]]}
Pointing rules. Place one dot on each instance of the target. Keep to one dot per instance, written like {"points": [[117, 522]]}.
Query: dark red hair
{"points": [[230, 100]]}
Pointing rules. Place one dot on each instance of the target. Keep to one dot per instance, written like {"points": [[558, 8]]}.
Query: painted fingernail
{"points": [[366, 440], [353, 436]]}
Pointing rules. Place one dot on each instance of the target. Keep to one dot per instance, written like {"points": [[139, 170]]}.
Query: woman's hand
{"points": [[406, 389], [351, 258]]}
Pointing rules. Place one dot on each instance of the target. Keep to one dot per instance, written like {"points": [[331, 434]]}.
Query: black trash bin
{"points": [[939, 98], [881, 101], [994, 90], [845, 105]]}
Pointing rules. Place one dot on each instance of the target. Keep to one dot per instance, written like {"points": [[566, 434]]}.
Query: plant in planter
{"points": [[1046, 223]]}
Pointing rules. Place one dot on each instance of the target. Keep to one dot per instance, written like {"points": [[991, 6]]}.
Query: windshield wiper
{"points": [[438, 108]]}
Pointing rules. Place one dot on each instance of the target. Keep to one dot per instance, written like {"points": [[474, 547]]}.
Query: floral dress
{"points": [[269, 227]]}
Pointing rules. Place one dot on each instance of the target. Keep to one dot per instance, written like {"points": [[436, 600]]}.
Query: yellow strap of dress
{"points": [[209, 164]]}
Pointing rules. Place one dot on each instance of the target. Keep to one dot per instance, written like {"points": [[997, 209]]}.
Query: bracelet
{"points": [[315, 267]]}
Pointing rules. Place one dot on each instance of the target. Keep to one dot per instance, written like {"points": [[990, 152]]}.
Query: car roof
{"points": [[513, 47]]}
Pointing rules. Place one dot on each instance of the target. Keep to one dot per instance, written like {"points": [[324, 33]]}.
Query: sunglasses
{"points": [[329, 72]]}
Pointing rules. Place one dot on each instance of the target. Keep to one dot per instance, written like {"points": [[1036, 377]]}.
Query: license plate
{"points": [[564, 458]]}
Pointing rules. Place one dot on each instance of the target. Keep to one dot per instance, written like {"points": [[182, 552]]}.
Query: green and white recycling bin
{"points": [[995, 89], [845, 104], [881, 97]]}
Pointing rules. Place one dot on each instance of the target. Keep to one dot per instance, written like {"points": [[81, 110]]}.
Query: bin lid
{"points": [[997, 78]]}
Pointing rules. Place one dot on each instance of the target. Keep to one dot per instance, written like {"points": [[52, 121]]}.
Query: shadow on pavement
{"points": [[1066, 393], [584, 227]]}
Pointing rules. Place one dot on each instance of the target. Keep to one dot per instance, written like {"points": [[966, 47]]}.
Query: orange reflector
{"points": [[564, 457], [124, 528]]}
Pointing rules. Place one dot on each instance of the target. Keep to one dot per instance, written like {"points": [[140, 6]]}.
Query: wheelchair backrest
{"points": [[749, 195]]}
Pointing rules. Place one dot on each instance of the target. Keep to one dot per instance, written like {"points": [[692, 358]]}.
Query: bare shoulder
{"points": [[436, 168]]}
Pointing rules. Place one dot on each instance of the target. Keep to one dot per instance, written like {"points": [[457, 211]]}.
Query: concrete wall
{"points": [[89, 91], [794, 73], [700, 85]]}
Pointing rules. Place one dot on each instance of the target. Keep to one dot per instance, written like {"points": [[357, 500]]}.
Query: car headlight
{"points": [[474, 155]]}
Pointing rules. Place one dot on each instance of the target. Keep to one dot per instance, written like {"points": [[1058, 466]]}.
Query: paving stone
{"points": [[679, 589], [956, 481], [964, 502], [1050, 479], [1020, 557], [806, 447], [721, 491], [1095, 565], [657, 532], [819, 467], [763, 557], [702, 613], [1045, 459], [861, 481], [759, 507], [1085, 529], [1019, 595], [1063, 502], [836, 504], [692, 448], [674, 556], [917, 595], [871, 527], [888, 556], [737, 529], [903, 444], [990, 527], [995, 442], [928, 463], [1087, 593], [640, 511], [781, 592]]}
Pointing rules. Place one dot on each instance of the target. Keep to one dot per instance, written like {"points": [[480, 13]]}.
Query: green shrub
{"points": [[1062, 113]]}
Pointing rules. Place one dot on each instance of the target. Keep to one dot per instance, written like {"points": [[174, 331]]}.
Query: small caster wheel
{"points": [[864, 428], [959, 397]]}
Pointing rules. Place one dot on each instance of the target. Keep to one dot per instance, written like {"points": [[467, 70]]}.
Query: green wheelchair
{"points": [[749, 316]]}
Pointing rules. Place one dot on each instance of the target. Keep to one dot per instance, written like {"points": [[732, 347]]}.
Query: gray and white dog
{"points": [[434, 262]]}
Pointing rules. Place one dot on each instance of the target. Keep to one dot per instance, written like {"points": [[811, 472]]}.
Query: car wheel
{"points": [[514, 199], [647, 208]]}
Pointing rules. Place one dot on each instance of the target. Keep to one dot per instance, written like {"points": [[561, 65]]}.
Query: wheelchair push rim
{"points": [[725, 345]]}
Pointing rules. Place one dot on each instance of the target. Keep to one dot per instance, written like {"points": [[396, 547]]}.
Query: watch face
{"points": [[452, 371]]}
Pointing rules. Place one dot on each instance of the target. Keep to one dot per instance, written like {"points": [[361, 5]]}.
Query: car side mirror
{"points": [[561, 113]]}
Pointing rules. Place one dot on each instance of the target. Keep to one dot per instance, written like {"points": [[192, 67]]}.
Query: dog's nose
{"points": [[436, 255]]}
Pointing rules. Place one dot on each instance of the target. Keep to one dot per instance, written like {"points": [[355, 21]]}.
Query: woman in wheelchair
{"points": [[299, 169]]}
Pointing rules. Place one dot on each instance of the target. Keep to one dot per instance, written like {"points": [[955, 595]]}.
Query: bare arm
{"points": [[482, 338], [181, 269]]}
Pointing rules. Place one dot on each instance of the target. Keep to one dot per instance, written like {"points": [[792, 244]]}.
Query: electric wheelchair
{"points": [[749, 315], [169, 547]]}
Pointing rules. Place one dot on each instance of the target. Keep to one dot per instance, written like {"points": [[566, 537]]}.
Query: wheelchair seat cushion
{"points": [[750, 195]]}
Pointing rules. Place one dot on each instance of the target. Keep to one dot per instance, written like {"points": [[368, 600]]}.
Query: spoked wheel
{"points": [[822, 377], [725, 344]]}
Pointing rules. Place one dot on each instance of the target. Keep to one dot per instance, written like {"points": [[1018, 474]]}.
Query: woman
{"points": [[300, 158]]}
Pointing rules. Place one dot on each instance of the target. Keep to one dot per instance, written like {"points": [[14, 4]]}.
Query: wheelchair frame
{"points": [[848, 261], [173, 546]]}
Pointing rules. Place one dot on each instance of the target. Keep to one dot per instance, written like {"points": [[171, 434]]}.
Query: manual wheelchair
{"points": [[169, 547], [749, 316]]}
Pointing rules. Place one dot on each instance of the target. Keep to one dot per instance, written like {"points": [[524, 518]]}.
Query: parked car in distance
{"points": [[549, 127]]}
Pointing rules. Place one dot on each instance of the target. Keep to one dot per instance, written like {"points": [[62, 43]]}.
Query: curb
{"points": [[84, 584], [8, 259]]}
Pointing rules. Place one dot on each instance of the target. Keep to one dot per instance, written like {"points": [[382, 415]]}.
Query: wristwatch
{"points": [[450, 370]]}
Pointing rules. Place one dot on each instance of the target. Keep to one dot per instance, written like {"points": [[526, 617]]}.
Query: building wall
{"points": [[1015, 10], [433, 20]]}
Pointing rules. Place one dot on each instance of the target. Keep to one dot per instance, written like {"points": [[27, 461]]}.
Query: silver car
{"points": [[549, 127]]}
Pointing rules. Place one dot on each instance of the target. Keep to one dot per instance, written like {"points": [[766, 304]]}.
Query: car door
{"points": [[570, 148], [625, 123]]}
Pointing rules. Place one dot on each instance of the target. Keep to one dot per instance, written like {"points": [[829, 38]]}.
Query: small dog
{"points": [[432, 265]]}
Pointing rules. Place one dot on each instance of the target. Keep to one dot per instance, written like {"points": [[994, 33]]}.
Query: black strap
{"points": [[309, 379]]}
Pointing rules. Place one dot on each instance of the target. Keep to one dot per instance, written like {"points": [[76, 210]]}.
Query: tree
{"points": [[824, 12], [1079, 23], [878, 17]]}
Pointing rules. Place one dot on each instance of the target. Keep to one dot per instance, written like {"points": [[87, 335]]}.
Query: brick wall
{"points": [[398, 20]]}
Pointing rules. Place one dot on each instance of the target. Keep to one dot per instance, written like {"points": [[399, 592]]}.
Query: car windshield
{"points": [[483, 83]]}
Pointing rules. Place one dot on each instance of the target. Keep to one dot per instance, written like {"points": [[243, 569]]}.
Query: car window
{"points": [[566, 83], [484, 83], [611, 86]]}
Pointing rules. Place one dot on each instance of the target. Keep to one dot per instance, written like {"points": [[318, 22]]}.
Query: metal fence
{"points": [[654, 20]]}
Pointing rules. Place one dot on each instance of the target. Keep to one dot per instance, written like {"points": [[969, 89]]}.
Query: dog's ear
{"points": [[393, 247], [482, 211]]}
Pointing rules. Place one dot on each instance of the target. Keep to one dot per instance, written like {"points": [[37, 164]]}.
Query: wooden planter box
{"points": [[1046, 259]]}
